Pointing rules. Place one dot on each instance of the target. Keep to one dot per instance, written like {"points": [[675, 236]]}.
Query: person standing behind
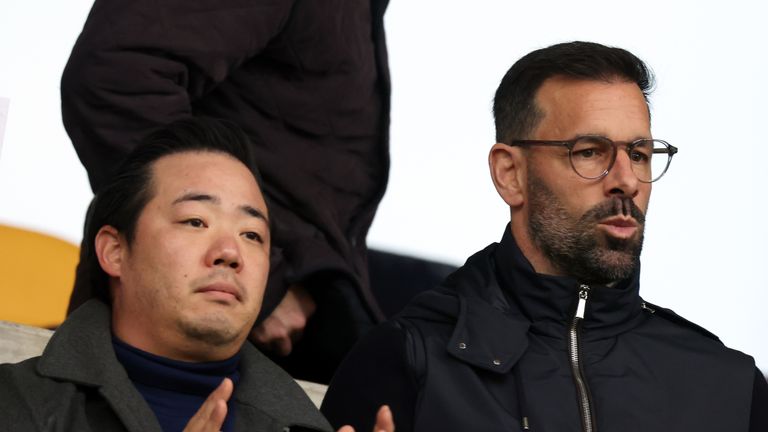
{"points": [[309, 83]]}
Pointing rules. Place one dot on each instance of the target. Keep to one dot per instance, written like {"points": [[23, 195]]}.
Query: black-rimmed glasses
{"points": [[592, 157]]}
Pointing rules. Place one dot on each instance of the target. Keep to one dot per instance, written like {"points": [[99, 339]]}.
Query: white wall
{"points": [[705, 233]]}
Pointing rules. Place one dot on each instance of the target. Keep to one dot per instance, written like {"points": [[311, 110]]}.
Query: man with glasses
{"points": [[546, 330]]}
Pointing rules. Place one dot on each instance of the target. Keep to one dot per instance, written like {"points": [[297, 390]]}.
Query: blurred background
{"points": [[706, 235]]}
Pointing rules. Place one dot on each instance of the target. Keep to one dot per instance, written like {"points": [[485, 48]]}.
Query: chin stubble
{"points": [[574, 245]]}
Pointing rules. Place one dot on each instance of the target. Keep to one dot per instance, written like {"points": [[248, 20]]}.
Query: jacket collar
{"points": [[81, 352], [266, 392], [549, 302], [496, 298]]}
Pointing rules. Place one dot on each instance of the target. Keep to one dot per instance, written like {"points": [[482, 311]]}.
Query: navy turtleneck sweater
{"points": [[175, 389]]}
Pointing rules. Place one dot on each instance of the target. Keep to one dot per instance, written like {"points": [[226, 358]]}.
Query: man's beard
{"points": [[575, 246]]}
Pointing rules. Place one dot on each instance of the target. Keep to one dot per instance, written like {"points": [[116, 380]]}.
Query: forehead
{"points": [[616, 108], [208, 172]]}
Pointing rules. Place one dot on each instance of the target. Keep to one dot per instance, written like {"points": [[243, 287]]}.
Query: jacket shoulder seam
{"points": [[674, 318]]}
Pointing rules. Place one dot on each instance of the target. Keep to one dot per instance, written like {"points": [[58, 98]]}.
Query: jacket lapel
{"points": [[269, 399], [81, 352]]}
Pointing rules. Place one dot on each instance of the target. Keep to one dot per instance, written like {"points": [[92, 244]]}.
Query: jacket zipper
{"points": [[574, 349]]}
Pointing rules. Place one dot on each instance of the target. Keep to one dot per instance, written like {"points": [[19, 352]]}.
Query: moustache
{"points": [[615, 206]]}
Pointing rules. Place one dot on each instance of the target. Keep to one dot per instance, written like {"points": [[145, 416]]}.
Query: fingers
{"points": [[210, 417], [223, 391], [273, 335], [384, 420], [285, 325]]}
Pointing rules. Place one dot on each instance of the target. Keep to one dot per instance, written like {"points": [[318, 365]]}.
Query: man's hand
{"points": [[284, 327], [210, 417], [384, 422]]}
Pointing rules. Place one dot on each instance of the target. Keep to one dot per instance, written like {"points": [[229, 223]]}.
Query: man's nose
{"points": [[224, 252], [621, 179]]}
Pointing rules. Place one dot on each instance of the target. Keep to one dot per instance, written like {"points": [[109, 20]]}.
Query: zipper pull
{"points": [[525, 424], [583, 296]]}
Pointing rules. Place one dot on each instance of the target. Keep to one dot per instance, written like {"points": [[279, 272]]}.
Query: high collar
{"points": [[496, 300], [549, 302], [194, 378]]}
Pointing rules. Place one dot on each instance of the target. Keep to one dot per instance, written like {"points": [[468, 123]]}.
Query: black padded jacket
{"points": [[500, 348]]}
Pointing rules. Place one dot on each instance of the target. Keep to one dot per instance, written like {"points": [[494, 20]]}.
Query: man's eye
{"points": [[250, 235], [194, 222], [586, 153], [638, 157]]}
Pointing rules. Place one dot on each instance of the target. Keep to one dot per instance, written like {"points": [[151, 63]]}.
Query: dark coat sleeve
{"points": [[378, 371], [759, 417], [139, 64]]}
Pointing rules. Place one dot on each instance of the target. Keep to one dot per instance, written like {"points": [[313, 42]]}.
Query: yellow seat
{"points": [[37, 273]]}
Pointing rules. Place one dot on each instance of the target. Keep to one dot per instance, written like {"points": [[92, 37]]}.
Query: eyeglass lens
{"points": [[592, 156]]}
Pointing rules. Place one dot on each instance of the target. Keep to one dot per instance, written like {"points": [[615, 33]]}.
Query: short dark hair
{"points": [[514, 106], [122, 199]]}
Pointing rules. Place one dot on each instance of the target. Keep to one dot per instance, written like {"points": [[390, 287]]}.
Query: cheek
{"points": [[257, 270], [577, 201], [169, 263], [179, 251]]}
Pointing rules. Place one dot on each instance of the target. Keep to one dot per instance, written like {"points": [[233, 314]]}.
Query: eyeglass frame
{"points": [[569, 144]]}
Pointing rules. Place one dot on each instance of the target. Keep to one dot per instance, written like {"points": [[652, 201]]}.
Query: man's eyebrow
{"points": [[254, 212], [196, 196]]}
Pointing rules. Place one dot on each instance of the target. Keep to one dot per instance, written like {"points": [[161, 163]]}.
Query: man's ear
{"points": [[508, 172], [109, 249]]}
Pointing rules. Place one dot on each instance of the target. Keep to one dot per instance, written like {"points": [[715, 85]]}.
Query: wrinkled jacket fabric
{"points": [[491, 347], [307, 80], [79, 385]]}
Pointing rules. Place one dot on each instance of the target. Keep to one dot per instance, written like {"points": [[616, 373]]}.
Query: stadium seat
{"points": [[37, 272]]}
